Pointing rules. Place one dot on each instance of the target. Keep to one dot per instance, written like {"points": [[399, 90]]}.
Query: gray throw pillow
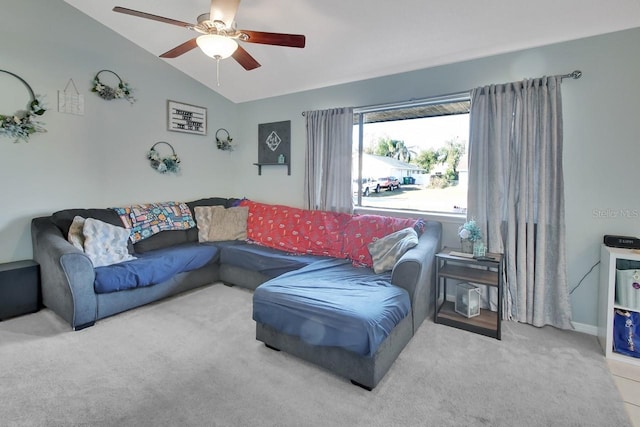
{"points": [[215, 223], [386, 251]]}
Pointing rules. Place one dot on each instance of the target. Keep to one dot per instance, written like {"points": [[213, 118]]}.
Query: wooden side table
{"points": [[486, 272], [19, 288]]}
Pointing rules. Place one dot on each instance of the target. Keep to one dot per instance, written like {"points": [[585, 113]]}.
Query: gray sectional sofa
{"points": [[68, 275]]}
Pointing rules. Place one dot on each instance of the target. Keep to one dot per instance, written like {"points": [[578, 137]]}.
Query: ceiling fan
{"points": [[219, 36]]}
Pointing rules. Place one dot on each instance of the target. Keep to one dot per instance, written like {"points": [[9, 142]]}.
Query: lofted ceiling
{"points": [[350, 40]]}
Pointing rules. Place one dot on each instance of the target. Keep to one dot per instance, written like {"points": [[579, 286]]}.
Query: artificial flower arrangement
{"points": [[106, 92], [21, 128], [224, 143], [22, 125], [470, 231], [169, 164]]}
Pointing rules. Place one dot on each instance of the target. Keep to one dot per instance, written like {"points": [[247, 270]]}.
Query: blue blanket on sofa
{"points": [[331, 303], [267, 261], [153, 267]]}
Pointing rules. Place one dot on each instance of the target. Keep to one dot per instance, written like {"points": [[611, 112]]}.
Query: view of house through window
{"points": [[412, 156]]}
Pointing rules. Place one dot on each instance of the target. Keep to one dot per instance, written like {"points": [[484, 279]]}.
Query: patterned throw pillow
{"points": [[146, 220], [296, 230], [75, 236], [215, 223], [105, 244], [385, 252], [364, 229]]}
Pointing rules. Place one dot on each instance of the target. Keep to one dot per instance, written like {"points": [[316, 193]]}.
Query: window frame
{"points": [[360, 113]]}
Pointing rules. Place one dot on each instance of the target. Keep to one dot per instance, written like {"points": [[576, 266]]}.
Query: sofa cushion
{"points": [[267, 261], [330, 303], [168, 238], [210, 201], [386, 251], [154, 267], [63, 219], [145, 220], [364, 229], [296, 230], [216, 223], [105, 244], [163, 239]]}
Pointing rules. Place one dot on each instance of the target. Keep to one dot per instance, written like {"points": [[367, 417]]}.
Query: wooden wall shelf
{"points": [[259, 165]]}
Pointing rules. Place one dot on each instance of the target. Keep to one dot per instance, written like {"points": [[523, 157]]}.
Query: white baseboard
{"points": [[584, 328]]}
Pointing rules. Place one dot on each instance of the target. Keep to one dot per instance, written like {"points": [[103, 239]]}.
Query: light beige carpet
{"points": [[193, 361]]}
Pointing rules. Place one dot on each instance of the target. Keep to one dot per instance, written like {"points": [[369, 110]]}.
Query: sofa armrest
{"points": [[415, 272], [67, 275]]}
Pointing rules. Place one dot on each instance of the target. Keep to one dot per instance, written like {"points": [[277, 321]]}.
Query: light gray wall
{"points": [[601, 131], [97, 160]]}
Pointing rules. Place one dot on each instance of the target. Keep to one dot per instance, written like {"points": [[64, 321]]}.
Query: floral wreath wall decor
{"points": [[169, 164], [21, 125], [108, 93], [225, 142]]}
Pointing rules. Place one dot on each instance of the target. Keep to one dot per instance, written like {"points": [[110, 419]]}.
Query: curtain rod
{"points": [[575, 74]]}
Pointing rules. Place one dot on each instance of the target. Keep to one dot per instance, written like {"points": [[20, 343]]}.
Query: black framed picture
{"points": [[274, 142], [186, 118]]}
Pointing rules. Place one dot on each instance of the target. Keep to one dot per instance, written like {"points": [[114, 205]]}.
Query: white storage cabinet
{"points": [[609, 301]]}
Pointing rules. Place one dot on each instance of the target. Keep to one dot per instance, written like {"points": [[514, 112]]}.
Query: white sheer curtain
{"points": [[327, 174], [516, 194]]}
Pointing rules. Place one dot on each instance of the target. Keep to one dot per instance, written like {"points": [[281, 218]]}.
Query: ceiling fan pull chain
{"points": [[218, 71]]}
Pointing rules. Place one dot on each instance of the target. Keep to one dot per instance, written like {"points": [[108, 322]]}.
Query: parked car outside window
{"points": [[369, 185], [389, 182]]}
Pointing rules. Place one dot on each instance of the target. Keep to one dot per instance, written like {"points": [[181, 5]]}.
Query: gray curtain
{"points": [[516, 194], [327, 174]]}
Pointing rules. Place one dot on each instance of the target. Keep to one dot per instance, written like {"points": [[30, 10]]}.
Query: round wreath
{"points": [[224, 144], [106, 92], [169, 164], [22, 124]]}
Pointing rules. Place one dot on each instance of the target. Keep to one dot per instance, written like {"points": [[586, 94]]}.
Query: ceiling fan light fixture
{"points": [[217, 46]]}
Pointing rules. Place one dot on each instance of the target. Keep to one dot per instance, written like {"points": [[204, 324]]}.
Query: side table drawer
{"points": [[19, 288]]}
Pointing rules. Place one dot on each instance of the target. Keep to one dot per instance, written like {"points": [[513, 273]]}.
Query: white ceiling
{"points": [[350, 40]]}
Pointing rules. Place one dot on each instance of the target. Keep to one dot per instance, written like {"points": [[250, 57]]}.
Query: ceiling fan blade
{"points": [[152, 17], [181, 49], [224, 10], [278, 39], [244, 59]]}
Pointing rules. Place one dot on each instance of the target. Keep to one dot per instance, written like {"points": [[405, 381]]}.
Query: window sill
{"points": [[443, 217]]}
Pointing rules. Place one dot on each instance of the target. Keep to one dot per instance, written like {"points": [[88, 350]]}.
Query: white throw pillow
{"points": [[75, 236], [385, 252], [105, 244]]}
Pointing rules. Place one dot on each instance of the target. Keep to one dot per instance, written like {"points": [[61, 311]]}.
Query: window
{"points": [[413, 155]]}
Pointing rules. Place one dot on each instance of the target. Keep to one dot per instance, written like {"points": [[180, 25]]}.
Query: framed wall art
{"points": [[274, 142], [186, 118]]}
